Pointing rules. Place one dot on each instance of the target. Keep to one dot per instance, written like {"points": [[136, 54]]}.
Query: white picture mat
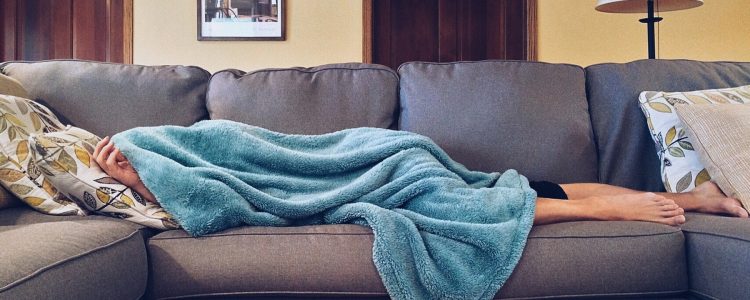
{"points": [[242, 28]]}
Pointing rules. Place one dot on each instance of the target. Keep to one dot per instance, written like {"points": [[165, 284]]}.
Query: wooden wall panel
{"points": [[116, 30], [447, 30], [514, 39], [90, 29], [495, 47], [382, 36], [420, 42], [8, 34], [98, 30], [33, 35], [61, 29], [448, 48]]}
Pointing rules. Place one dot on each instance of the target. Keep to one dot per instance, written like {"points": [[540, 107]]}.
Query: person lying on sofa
{"points": [[586, 201], [440, 231]]}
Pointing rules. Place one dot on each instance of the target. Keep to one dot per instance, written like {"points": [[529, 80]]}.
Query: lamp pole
{"points": [[650, 21]]}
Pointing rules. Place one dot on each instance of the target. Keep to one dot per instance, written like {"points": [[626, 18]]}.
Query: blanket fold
{"points": [[440, 230]]}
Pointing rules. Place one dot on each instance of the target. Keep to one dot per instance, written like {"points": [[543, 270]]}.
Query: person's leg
{"points": [[706, 198], [647, 207]]}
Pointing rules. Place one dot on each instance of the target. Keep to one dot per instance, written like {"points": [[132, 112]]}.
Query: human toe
{"points": [[733, 207], [676, 220], [673, 213], [738, 211]]}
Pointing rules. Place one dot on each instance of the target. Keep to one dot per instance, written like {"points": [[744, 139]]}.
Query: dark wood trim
{"points": [[367, 31], [283, 12], [127, 34], [531, 30], [112, 34]]}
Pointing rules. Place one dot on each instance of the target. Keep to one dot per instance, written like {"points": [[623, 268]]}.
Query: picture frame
{"points": [[241, 20]]}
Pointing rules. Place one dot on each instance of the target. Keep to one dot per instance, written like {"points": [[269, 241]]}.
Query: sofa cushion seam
{"points": [[370, 234], [65, 260], [256, 234], [605, 236], [702, 294], [29, 62], [717, 235], [271, 293], [398, 70], [600, 295], [243, 74]]}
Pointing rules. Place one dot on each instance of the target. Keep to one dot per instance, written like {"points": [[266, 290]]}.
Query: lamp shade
{"points": [[640, 6]]}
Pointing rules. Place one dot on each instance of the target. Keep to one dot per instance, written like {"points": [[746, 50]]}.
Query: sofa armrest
{"points": [[718, 260]]}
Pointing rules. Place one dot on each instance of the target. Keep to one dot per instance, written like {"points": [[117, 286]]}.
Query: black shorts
{"points": [[546, 189]]}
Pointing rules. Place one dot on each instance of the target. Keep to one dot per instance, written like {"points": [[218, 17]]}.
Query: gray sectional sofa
{"points": [[552, 122]]}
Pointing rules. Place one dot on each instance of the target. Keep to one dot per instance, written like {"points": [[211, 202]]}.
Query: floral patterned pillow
{"points": [[19, 118], [64, 157], [681, 168]]}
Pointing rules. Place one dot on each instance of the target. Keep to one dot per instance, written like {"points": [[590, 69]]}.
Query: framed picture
{"points": [[241, 20]]}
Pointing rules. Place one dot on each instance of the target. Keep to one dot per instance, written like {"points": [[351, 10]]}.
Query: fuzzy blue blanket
{"points": [[440, 230]]}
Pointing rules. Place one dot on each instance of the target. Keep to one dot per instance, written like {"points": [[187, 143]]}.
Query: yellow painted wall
{"points": [[571, 31], [318, 32], [330, 31]]}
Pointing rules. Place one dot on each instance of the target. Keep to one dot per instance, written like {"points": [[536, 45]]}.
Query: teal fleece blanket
{"points": [[440, 230]]}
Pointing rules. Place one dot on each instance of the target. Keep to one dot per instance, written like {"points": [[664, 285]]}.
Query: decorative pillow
{"points": [[681, 168], [10, 86], [64, 157], [721, 135], [20, 117]]}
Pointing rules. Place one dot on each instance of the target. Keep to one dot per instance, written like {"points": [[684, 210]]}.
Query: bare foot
{"points": [[708, 198], [647, 207]]}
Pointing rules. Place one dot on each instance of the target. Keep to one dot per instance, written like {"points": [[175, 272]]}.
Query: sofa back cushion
{"points": [[307, 100], [497, 115], [627, 154], [107, 98]]}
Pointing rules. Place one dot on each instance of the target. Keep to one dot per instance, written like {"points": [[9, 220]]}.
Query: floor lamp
{"points": [[649, 7]]}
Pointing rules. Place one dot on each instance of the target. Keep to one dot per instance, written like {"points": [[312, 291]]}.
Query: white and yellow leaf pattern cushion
{"points": [[64, 157], [10, 86], [19, 118], [681, 168]]}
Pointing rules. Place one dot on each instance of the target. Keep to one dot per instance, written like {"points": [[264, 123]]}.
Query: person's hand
{"points": [[111, 161]]}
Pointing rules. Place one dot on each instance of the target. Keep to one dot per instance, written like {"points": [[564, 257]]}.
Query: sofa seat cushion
{"points": [[497, 115], [568, 259], [717, 249], [326, 260], [51, 257], [107, 98], [315, 100], [600, 259]]}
